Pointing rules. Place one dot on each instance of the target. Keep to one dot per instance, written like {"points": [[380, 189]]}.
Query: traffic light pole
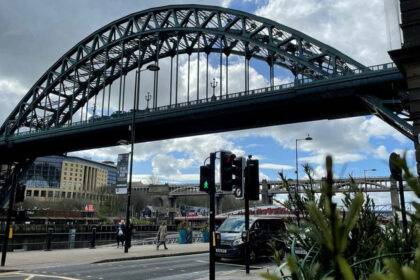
{"points": [[246, 230], [212, 195], [9, 215]]}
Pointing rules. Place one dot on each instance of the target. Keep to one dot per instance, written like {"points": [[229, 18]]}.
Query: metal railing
{"points": [[67, 240]]}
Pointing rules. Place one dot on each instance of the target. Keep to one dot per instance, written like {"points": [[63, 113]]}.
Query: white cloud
{"points": [[275, 166], [172, 178], [11, 91], [381, 152], [355, 27]]}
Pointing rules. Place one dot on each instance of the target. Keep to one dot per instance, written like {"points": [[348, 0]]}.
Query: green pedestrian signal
{"points": [[205, 174]]}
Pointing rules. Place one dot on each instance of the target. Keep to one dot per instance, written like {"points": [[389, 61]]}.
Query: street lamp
{"points": [[364, 172], [213, 85], [148, 97], [152, 68], [308, 138]]}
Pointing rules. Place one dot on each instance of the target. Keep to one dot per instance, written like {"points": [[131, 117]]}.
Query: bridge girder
{"points": [[154, 34]]}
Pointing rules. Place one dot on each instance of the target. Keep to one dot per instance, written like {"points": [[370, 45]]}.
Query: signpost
{"points": [[122, 172], [212, 192]]}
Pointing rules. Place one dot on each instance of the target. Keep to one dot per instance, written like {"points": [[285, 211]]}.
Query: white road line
{"points": [[45, 276], [29, 277]]}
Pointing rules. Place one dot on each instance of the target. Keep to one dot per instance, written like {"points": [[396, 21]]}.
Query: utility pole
{"points": [[9, 212], [212, 194], [246, 198]]}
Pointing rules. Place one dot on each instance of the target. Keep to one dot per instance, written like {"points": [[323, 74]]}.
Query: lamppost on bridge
{"points": [[152, 68], [148, 97], [364, 173], [213, 86], [308, 138]]}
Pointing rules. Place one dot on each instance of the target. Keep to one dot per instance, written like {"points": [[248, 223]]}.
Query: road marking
{"points": [[33, 275]]}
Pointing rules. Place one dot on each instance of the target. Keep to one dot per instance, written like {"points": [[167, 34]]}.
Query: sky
{"points": [[34, 34]]}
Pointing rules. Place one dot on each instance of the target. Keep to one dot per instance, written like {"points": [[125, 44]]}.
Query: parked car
{"points": [[263, 230]]}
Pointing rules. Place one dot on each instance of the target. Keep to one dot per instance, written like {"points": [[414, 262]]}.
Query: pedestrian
{"points": [[120, 235], [161, 236]]}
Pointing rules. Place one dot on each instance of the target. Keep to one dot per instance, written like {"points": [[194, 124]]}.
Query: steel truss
{"points": [[111, 52]]}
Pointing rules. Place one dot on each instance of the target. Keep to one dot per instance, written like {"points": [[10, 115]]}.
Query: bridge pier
{"points": [[408, 61], [267, 198], [172, 201], [395, 200]]}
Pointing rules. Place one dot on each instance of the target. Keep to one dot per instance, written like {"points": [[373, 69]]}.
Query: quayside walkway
{"points": [[44, 259]]}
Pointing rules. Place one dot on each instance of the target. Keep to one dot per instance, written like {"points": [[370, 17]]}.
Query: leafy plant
{"points": [[353, 244]]}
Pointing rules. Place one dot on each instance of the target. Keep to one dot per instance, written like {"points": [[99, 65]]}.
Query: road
{"points": [[168, 268]]}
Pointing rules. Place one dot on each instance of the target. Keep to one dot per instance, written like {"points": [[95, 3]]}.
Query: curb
{"points": [[7, 270], [151, 256]]}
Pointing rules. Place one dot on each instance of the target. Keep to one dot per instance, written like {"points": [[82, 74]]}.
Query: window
{"points": [[50, 193], [63, 194], [43, 193], [36, 193], [69, 195], [28, 192]]}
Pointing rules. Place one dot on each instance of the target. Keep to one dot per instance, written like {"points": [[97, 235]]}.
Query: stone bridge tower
{"points": [[408, 61]]}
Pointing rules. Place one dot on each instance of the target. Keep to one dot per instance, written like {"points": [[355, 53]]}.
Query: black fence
{"points": [[61, 237]]}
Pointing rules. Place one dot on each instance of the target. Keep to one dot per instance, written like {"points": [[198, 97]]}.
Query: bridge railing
{"points": [[120, 114]]}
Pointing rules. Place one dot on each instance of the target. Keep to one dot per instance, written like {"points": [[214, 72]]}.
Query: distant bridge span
{"points": [[341, 185], [84, 100]]}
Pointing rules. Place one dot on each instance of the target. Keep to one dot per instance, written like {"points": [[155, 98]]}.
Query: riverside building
{"points": [[63, 177]]}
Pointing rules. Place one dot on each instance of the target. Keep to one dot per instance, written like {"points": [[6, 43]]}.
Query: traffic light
{"points": [[395, 167], [20, 192], [239, 180], [232, 173], [205, 178], [252, 180], [226, 170]]}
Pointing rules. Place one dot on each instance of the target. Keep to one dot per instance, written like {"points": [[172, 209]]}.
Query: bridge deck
{"points": [[325, 99]]}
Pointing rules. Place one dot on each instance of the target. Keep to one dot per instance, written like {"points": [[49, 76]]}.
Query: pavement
{"points": [[186, 267], [27, 260]]}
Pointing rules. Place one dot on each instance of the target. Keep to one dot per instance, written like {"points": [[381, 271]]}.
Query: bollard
{"points": [[93, 238], [72, 238], [49, 239]]}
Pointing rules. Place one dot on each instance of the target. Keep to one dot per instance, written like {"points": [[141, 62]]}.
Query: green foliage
{"points": [[349, 245], [395, 267]]}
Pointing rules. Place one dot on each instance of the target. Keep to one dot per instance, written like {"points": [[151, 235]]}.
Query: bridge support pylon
{"points": [[408, 61], [267, 198], [395, 200], [172, 201]]}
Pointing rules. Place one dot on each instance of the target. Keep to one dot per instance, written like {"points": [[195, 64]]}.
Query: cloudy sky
{"points": [[34, 34]]}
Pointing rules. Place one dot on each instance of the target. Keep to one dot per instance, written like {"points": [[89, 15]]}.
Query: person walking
{"points": [[161, 236], [120, 235]]}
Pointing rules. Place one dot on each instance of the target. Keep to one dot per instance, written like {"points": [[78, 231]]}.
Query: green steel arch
{"points": [[153, 34]]}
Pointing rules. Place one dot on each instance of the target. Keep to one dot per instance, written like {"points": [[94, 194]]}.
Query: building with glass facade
{"points": [[62, 177]]}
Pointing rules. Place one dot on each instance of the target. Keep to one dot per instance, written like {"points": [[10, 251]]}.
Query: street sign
{"points": [[122, 172], [120, 190]]}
